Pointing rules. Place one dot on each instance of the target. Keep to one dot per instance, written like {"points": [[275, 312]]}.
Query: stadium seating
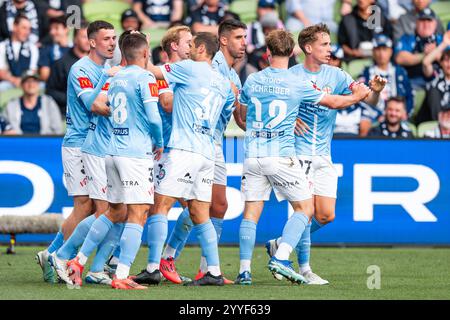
{"points": [[412, 127], [425, 126], [7, 95], [419, 96], [356, 67], [246, 9], [109, 10], [442, 9]]}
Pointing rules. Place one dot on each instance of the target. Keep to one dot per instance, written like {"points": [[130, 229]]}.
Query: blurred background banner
{"points": [[389, 191]]}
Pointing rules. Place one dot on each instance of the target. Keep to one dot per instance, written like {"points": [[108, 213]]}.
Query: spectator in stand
{"points": [[17, 54], [158, 13], [49, 54], [303, 13], [438, 89], [129, 21], [393, 126], [57, 82], [412, 49], [406, 24], [398, 82], [33, 113], [356, 32], [442, 131], [267, 18], [207, 17], [354, 120], [5, 127], [34, 10], [193, 5], [58, 8]]}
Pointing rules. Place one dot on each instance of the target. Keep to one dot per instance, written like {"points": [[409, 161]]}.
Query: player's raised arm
{"points": [[359, 92], [376, 85]]}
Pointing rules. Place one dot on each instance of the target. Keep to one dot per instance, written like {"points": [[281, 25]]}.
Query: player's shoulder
{"points": [[82, 66]]}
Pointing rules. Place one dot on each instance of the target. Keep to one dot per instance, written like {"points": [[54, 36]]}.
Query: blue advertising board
{"points": [[389, 191]]}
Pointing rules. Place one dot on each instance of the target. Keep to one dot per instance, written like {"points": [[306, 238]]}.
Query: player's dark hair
{"points": [[210, 42], [309, 34], [19, 18], [132, 45], [230, 25], [83, 25], [280, 43], [96, 26], [126, 33]]}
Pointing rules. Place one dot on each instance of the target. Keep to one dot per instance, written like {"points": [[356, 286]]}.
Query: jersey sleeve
{"points": [[80, 81], [148, 88], [244, 94], [180, 72], [231, 98], [163, 87], [105, 87], [344, 83]]}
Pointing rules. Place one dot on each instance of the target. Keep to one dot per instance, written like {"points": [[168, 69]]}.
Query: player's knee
{"points": [[219, 208], [325, 217]]}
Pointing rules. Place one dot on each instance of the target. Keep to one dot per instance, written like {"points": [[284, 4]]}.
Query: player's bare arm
{"points": [[359, 92], [166, 101], [100, 106]]}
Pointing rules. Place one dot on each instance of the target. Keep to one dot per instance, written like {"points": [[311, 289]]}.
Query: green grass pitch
{"points": [[406, 273]]}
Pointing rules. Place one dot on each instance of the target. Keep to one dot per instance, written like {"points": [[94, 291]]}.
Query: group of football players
{"points": [[142, 137]]}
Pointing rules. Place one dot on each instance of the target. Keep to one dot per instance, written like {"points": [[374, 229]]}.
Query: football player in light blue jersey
{"points": [[177, 44], [232, 41], [313, 148], [136, 139], [270, 101], [86, 78], [93, 152], [200, 95]]}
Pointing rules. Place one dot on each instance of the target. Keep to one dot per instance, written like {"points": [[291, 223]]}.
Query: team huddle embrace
{"points": [[142, 137]]}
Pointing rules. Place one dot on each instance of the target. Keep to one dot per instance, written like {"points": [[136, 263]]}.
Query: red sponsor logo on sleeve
{"points": [[162, 84], [153, 89], [85, 83], [167, 67], [105, 87]]}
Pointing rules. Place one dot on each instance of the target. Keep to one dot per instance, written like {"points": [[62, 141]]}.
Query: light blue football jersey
{"points": [[220, 64], [199, 97], [320, 119], [85, 79], [129, 91], [166, 117], [272, 97], [99, 134]]}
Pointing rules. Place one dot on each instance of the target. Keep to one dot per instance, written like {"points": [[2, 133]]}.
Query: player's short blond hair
{"points": [[280, 43], [172, 35], [309, 34]]}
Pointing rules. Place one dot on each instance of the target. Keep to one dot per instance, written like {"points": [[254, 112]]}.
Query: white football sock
{"points": [[283, 252], [122, 271], [203, 265], [245, 266], [278, 241], [82, 259], [152, 267], [169, 252], [304, 269], [214, 270]]}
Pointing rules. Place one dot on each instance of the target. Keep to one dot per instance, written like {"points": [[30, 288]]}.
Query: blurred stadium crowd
{"points": [[405, 41]]}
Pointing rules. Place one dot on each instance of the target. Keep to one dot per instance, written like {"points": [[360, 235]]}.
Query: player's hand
{"points": [[113, 70], [360, 91], [378, 83], [157, 152], [301, 128]]}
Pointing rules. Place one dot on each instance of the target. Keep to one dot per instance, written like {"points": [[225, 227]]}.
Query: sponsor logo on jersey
{"points": [[162, 84], [85, 83], [92, 126], [105, 87], [167, 67], [153, 89], [121, 131], [129, 183], [68, 120]]}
